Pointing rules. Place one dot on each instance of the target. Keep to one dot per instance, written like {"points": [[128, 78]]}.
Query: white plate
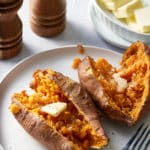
{"points": [[12, 136], [105, 32]]}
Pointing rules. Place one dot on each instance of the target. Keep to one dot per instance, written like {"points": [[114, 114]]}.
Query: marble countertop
{"points": [[79, 30]]}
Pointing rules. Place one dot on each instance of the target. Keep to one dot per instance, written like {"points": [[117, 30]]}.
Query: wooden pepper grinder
{"points": [[10, 28], [47, 17]]}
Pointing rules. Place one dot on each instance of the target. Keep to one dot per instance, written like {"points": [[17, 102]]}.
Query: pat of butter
{"points": [[101, 4], [54, 109], [114, 4], [143, 19], [128, 9], [131, 22], [121, 83]]}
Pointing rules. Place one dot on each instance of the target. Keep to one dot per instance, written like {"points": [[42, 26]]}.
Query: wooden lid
{"points": [[47, 8]]}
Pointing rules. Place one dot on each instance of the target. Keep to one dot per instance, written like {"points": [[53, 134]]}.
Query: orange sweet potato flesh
{"points": [[42, 126], [40, 130], [130, 103]]}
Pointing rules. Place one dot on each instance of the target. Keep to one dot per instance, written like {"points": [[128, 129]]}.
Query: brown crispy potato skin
{"points": [[93, 86], [40, 130], [81, 100]]}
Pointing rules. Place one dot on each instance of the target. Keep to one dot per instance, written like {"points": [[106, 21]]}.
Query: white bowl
{"points": [[105, 32], [118, 27]]}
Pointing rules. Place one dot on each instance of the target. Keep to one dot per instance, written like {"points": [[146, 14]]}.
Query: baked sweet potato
{"points": [[124, 93], [75, 127]]}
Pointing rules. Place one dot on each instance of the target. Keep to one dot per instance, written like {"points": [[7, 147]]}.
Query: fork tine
{"points": [[147, 145], [133, 137], [140, 136], [144, 138]]}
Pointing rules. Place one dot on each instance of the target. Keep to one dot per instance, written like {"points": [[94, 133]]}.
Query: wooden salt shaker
{"points": [[47, 17], [10, 28]]}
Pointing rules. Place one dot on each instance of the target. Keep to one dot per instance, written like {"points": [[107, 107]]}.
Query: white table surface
{"points": [[79, 29]]}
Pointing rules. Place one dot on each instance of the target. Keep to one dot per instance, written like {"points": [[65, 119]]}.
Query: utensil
{"points": [[141, 139]]}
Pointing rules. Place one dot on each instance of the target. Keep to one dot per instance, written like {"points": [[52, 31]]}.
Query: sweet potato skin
{"points": [[40, 130], [93, 86], [81, 99]]}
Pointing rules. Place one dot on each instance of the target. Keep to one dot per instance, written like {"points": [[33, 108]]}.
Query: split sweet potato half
{"points": [[76, 127], [124, 93]]}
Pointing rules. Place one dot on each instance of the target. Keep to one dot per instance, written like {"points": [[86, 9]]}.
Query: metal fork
{"points": [[140, 140]]}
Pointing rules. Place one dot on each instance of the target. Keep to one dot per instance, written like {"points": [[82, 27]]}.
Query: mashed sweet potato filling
{"points": [[127, 86], [70, 122]]}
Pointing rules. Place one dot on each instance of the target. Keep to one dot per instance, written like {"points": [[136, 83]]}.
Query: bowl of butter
{"points": [[129, 19]]}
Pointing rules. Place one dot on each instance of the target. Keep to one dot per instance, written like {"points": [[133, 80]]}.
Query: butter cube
{"points": [[54, 109], [101, 4], [128, 9], [143, 19], [114, 4], [121, 83], [131, 22]]}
